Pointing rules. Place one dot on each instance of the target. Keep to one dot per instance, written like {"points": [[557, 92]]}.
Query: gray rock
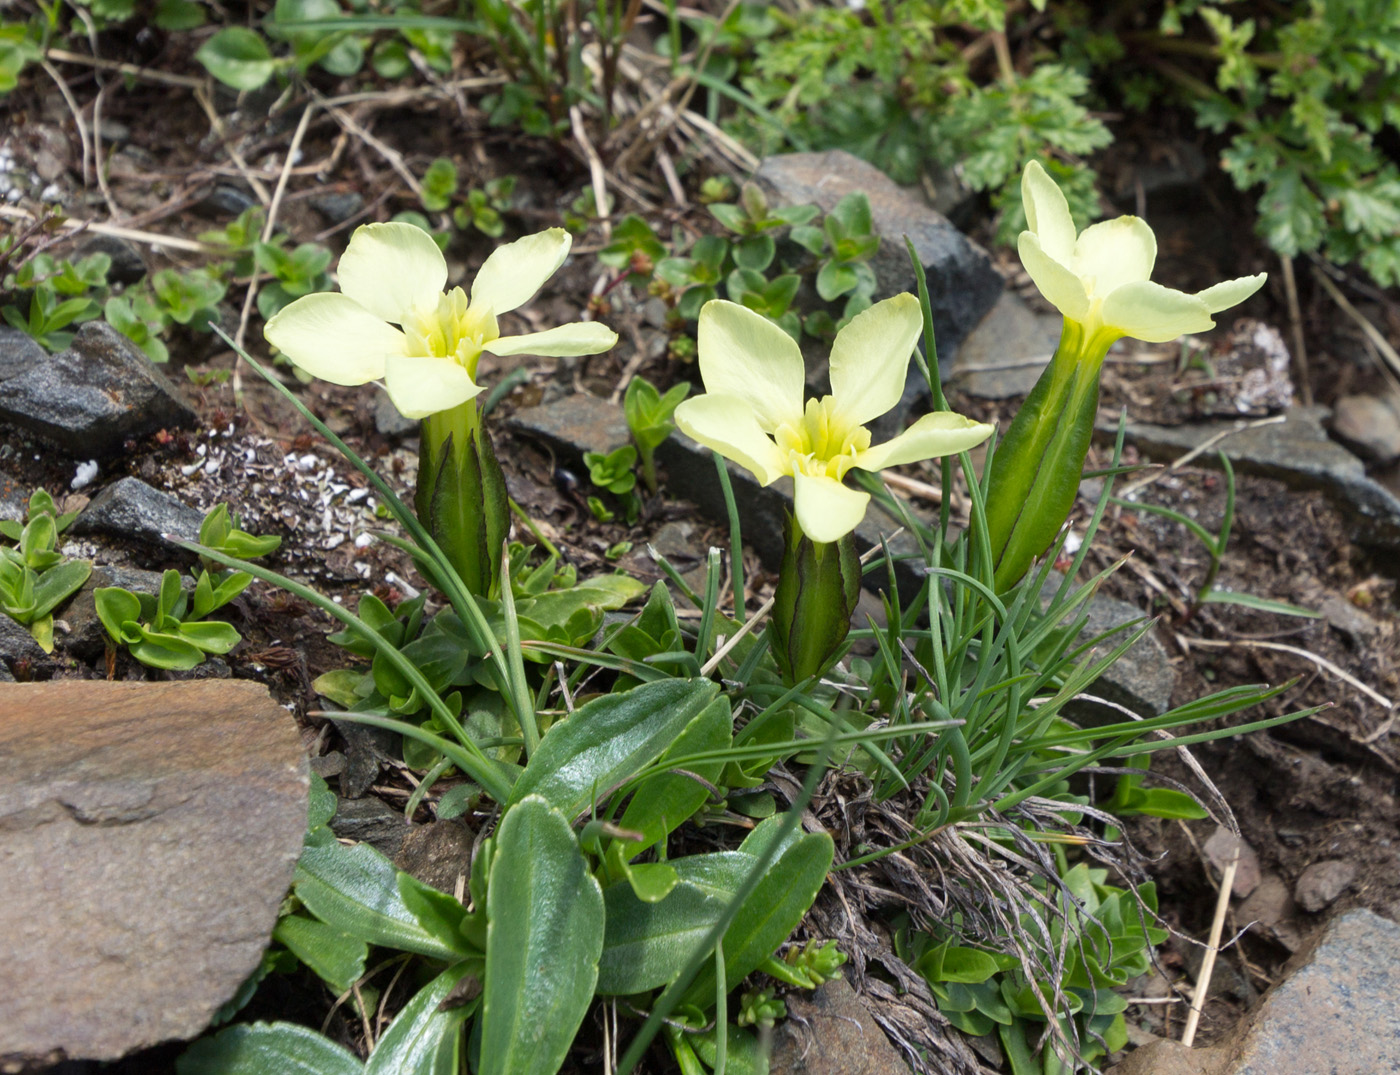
{"points": [[1295, 451], [6, 676], [337, 206], [225, 201], [1142, 680], [1003, 356], [128, 267], [371, 821], [1271, 909], [388, 421], [150, 834], [16, 643], [367, 750], [962, 281], [832, 1032], [129, 508], [1370, 425], [90, 399], [1322, 882], [1335, 1012], [18, 352]]}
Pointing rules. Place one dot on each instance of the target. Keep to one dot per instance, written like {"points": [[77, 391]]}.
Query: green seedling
{"points": [[583, 210], [649, 419], [295, 273], [168, 629], [35, 578], [61, 293], [634, 248], [614, 472], [485, 205]]}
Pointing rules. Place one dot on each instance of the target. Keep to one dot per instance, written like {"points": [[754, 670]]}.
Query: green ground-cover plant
{"points": [[649, 421], [761, 263], [479, 208], [35, 578], [169, 629]]}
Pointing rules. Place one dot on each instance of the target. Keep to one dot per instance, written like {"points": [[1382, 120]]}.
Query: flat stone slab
{"points": [[1296, 451], [129, 508], [148, 834]]}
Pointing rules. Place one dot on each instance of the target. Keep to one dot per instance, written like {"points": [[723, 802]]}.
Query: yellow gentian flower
{"points": [[393, 320], [1100, 278], [753, 411]]}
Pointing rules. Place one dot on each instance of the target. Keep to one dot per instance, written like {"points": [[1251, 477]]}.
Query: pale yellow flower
{"points": [[753, 412], [392, 319], [1100, 277]]}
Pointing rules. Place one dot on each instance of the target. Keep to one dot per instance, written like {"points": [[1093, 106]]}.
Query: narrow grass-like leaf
{"points": [[425, 1038]]}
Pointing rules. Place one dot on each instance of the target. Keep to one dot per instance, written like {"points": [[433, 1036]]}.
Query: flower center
{"points": [[822, 444], [452, 329]]}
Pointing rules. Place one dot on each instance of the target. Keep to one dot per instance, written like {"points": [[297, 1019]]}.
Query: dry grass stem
{"points": [[1217, 925]]}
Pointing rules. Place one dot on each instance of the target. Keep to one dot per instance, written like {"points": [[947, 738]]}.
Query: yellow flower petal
{"points": [[743, 354], [728, 425], [391, 269], [1231, 293], [937, 434], [577, 338], [1047, 213], [1115, 252], [420, 386], [334, 338], [514, 272], [1156, 314], [1061, 287], [826, 510], [870, 358]]}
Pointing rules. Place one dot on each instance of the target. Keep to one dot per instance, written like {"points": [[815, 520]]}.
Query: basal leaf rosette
{"points": [[753, 409], [392, 319]]}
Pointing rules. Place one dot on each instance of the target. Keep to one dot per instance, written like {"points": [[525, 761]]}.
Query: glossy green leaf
{"points": [[59, 583], [608, 740], [237, 57], [337, 958], [663, 802], [425, 1039], [647, 944], [265, 1048], [773, 910], [545, 924], [355, 889]]}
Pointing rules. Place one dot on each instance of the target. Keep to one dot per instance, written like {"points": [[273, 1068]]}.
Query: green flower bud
{"points": [[818, 585], [461, 496]]}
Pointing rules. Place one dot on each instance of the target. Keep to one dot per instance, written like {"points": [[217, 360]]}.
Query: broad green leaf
{"points": [[773, 910], [340, 685], [437, 912], [214, 637], [59, 583], [545, 923], [237, 57], [264, 1048], [424, 1039], [161, 650], [355, 889], [647, 944], [663, 802], [115, 607], [608, 740], [338, 959]]}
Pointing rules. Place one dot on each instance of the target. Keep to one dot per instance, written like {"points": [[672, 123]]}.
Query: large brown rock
{"points": [[148, 832]]}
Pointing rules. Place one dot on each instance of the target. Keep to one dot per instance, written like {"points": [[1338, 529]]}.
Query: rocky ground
{"points": [[1317, 524]]}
